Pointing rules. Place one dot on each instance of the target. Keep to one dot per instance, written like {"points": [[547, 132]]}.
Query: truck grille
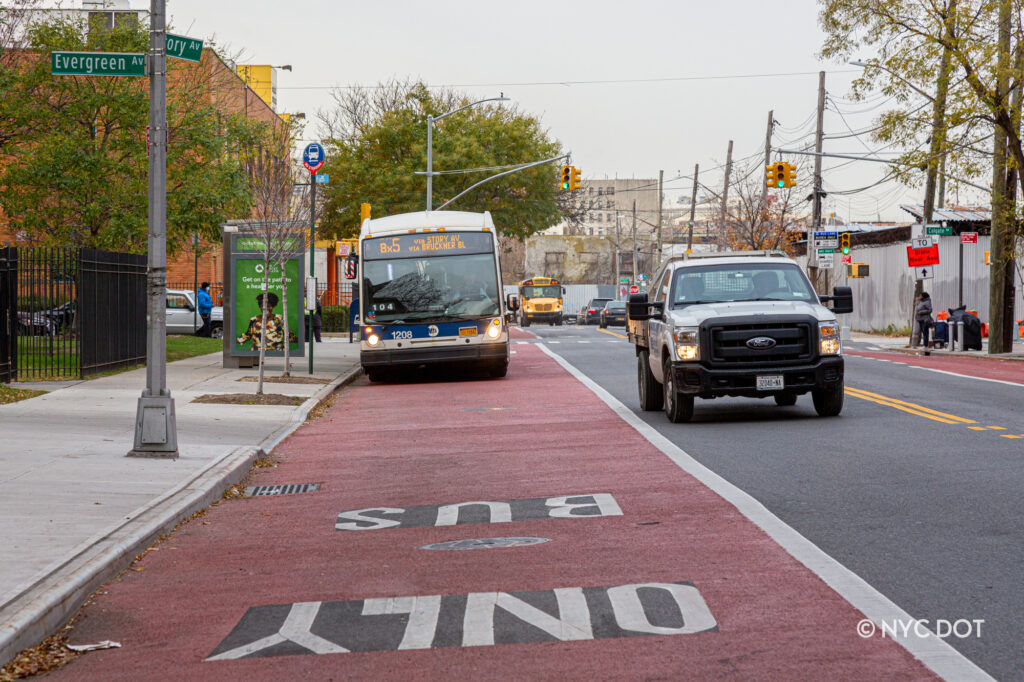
{"points": [[728, 343]]}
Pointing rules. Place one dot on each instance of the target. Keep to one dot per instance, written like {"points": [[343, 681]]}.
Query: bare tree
{"points": [[281, 208]]}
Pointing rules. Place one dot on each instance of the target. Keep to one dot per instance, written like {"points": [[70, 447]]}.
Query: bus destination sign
{"points": [[433, 244]]}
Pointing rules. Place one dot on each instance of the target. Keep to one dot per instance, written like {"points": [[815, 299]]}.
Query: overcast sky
{"points": [[712, 57]]}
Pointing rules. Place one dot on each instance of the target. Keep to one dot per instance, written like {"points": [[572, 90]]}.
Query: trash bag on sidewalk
{"points": [[972, 326]]}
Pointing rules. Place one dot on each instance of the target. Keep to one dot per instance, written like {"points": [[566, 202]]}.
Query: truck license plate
{"points": [[772, 382]]}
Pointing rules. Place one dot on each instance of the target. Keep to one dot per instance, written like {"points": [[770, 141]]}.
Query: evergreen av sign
{"points": [[98, 64]]}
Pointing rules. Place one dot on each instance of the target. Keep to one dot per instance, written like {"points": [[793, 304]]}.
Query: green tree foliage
{"points": [[376, 142], [74, 169]]}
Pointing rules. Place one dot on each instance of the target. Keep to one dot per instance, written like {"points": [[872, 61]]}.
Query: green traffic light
{"points": [[846, 250], [565, 185], [782, 183]]}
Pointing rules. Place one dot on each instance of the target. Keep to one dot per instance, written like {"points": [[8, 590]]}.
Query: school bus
{"points": [[540, 301]]}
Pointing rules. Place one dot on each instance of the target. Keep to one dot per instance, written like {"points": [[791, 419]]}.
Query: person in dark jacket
{"points": [[318, 321], [923, 315]]}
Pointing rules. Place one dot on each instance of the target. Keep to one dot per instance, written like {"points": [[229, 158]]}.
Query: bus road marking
{"points": [[429, 622], [462, 513]]}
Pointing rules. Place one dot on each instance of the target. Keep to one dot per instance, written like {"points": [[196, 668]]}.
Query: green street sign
{"points": [[940, 230], [623, 280], [97, 64], [826, 250], [185, 48]]}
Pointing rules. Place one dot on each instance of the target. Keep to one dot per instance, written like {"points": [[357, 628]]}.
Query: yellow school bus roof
{"points": [[423, 221], [539, 282]]}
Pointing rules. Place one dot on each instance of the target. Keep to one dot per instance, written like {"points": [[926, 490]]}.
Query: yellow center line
{"points": [[978, 428], [998, 428], [899, 407], [862, 393], [621, 336], [1006, 435]]}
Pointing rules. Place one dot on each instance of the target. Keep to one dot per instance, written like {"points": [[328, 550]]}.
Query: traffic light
{"points": [[575, 181], [858, 270], [790, 175], [845, 243], [364, 212], [566, 177], [777, 174]]}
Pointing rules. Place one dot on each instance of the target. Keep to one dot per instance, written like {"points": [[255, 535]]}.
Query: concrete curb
{"points": [[957, 354], [43, 608]]}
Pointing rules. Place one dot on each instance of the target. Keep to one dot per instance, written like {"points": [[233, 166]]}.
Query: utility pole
{"points": [[725, 196], [693, 208], [618, 250], [767, 155], [812, 263], [661, 179], [636, 254], [156, 431]]}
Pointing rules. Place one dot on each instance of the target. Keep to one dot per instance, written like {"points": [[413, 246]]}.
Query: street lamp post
{"points": [[431, 120]]}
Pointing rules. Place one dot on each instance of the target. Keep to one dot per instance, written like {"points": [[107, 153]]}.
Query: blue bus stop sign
{"points": [[313, 157]]}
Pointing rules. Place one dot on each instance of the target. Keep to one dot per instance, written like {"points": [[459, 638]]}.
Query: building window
{"points": [[553, 259], [600, 191], [611, 190]]}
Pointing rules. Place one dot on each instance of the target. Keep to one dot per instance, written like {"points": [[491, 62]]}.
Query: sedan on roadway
{"points": [[613, 313]]}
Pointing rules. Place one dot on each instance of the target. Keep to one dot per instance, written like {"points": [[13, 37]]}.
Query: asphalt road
{"points": [[920, 497]]}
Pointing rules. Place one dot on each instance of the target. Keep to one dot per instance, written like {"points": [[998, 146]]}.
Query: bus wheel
{"points": [[498, 369], [375, 375]]}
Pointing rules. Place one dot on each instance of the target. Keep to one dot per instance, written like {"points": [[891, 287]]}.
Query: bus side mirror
{"points": [[512, 302], [563, 291]]}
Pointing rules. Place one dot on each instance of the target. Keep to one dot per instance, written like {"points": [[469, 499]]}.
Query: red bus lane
{"points": [[618, 565], [1009, 371]]}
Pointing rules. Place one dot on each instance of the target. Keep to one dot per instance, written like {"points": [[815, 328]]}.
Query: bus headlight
{"points": [[828, 333], [373, 339], [687, 343], [494, 328]]}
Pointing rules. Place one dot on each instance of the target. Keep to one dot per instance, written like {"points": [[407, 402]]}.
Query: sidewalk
{"points": [[900, 344], [74, 510]]}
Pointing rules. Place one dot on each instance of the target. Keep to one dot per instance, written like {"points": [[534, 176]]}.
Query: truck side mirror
{"points": [[638, 307], [512, 302], [842, 300]]}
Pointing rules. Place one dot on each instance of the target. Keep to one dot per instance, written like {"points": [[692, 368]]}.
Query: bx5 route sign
{"points": [[917, 258], [97, 64]]}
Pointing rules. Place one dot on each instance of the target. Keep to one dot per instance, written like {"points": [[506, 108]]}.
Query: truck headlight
{"points": [[687, 343], [828, 333]]}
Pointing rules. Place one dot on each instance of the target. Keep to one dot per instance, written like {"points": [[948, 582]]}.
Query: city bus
{"points": [[430, 294], [540, 301]]}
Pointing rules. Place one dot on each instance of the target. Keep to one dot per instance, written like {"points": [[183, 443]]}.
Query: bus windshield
{"points": [[431, 288], [553, 291]]}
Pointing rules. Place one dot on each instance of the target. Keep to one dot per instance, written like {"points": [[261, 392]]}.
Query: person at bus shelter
{"points": [[205, 308], [275, 326]]}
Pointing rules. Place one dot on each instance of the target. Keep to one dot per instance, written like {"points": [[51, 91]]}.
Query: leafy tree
{"points": [[75, 171], [376, 141]]}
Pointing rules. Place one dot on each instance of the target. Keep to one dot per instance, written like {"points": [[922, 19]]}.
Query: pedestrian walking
{"points": [[923, 315], [318, 320], [205, 309], [353, 313]]}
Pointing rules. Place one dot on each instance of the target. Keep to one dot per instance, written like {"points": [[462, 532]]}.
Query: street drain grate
{"points": [[486, 543], [284, 489]]}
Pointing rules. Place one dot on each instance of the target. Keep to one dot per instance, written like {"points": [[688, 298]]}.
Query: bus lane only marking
{"points": [[436, 621], [480, 511]]}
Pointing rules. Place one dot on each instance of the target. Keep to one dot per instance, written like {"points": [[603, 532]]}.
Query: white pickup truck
{"points": [[182, 317], [745, 323]]}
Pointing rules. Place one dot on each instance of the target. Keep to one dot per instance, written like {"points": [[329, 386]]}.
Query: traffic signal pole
{"points": [[812, 270], [155, 424]]}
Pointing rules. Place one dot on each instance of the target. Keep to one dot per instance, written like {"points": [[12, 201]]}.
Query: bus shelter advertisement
{"points": [[248, 297]]}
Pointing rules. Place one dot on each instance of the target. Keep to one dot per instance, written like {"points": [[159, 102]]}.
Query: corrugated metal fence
{"points": [[886, 297]]}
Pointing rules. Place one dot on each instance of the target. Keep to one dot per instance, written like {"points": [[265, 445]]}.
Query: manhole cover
{"points": [[485, 543], [285, 489]]}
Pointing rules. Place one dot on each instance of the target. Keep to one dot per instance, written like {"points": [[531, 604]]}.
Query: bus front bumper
{"points": [[477, 352]]}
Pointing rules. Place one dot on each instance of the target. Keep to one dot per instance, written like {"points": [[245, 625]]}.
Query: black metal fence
{"points": [[8, 312], [47, 342], [70, 313], [112, 311]]}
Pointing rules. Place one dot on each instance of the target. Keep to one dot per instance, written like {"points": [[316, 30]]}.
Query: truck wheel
{"points": [[217, 331], [647, 386], [785, 399], [603, 324], [678, 406], [828, 401]]}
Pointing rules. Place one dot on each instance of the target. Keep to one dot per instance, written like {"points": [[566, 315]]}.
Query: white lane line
{"points": [[581, 341], [874, 348], [934, 652], [545, 341]]}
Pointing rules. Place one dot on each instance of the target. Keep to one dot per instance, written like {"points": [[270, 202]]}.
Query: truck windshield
{"points": [[431, 288], [730, 282], [542, 292]]}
